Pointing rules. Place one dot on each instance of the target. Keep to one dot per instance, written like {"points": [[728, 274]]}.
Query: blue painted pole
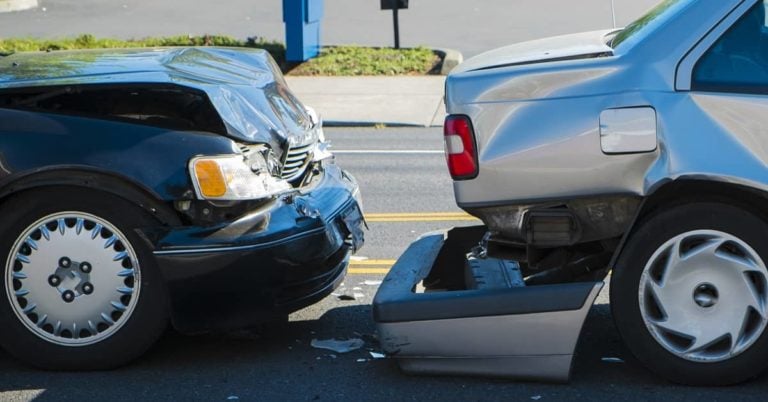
{"points": [[302, 28]]}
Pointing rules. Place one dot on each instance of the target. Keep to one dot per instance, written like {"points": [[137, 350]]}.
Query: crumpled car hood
{"points": [[244, 85], [581, 45]]}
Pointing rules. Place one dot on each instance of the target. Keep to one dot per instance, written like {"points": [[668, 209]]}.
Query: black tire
{"points": [[135, 334], [649, 236]]}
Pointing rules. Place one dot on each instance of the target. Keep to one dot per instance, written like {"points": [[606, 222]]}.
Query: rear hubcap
{"points": [[703, 296], [72, 278]]}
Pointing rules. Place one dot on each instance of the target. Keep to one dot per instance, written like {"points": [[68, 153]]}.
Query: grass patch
{"points": [[10, 45], [355, 60], [333, 61]]}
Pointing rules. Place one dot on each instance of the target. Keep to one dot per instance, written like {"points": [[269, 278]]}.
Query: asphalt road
{"points": [[281, 364], [469, 26]]}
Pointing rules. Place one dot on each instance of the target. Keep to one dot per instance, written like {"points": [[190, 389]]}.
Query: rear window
{"points": [[651, 19]]}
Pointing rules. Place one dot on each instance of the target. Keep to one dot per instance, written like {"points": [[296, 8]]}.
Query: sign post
{"points": [[395, 6]]}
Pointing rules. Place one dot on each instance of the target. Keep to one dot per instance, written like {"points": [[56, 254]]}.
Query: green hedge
{"points": [[88, 41], [333, 61], [354, 60]]}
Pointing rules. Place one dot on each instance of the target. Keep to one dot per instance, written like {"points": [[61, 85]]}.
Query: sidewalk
{"points": [[404, 100]]}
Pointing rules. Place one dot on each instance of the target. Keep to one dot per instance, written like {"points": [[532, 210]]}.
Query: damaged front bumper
{"points": [[277, 259], [440, 312]]}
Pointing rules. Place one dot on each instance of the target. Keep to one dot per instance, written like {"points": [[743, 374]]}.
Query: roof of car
{"points": [[193, 66]]}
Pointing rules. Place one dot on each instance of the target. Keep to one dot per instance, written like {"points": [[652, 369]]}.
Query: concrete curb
{"points": [[16, 5], [451, 59]]}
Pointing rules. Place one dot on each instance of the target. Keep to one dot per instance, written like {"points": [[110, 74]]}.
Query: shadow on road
{"points": [[281, 365]]}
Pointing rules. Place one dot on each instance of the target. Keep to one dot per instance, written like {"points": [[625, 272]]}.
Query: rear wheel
{"points": [[81, 289], [689, 294]]}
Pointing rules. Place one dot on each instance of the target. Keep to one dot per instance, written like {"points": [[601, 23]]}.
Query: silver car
{"points": [[641, 151]]}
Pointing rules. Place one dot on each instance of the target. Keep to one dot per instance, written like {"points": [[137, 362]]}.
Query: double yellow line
{"points": [[381, 267], [420, 217], [370, 267]]}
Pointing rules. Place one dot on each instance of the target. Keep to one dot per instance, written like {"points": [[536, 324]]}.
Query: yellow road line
{"points": [[368, 267], [419, 217], [372, 262], [368, 271]]}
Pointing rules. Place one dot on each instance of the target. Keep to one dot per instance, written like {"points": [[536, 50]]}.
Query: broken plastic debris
{"points": [[346, 297], [377, 355], [362, 360], [536, 397], [372, 283], [338, 346], [233, 398], [612, 360]]}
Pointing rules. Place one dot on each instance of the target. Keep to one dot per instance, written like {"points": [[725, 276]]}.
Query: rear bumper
{"points": [[268, 263], [519, 332]]}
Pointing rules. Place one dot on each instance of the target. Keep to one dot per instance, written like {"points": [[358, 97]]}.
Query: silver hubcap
{"points": [[72, 278], [703, 296]]}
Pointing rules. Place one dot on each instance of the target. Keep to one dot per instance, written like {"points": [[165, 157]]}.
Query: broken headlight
{"points": [[232, 177]]}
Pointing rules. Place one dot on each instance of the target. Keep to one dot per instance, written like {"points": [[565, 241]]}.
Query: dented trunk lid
{"points": [[566, 47]]}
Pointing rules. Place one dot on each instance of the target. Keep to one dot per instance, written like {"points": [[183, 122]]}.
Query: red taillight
{"points": [[460, 149]]}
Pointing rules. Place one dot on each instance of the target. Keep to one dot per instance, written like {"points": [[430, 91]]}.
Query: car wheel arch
{"points": [[92, 179], [684, 191]]}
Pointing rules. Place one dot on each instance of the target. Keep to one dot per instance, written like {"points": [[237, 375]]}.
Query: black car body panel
{"points": [[280, 258], [244, 86], [34, 142], [128, 122]]}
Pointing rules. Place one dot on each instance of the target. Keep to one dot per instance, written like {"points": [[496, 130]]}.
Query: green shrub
{"points": [[332, 61]]}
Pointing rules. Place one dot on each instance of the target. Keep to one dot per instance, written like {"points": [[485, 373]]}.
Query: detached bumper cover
{"points": [[276, 260], [527, 333]]}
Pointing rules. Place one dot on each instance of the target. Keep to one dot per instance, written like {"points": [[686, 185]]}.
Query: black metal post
{"points": [[396, 22]]}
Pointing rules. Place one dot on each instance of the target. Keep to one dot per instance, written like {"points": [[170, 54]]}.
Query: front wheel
{"points": [[81, 289], [689, 294]]}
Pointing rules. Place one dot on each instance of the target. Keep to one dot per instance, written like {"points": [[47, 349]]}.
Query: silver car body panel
{"points": [[537, 125], [520, 332], [556, 48]]}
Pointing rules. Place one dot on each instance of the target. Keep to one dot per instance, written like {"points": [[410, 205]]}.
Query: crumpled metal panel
{"points": [[537, 124], [244, 85]]}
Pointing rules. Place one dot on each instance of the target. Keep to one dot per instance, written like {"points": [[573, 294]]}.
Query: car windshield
{"points": [[655, 14]]}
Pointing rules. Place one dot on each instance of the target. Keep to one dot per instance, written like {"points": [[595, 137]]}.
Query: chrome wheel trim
{"points": [[93, 297], [703, 296]]}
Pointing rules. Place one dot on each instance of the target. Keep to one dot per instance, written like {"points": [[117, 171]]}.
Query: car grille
{"points": [[296, 161]]}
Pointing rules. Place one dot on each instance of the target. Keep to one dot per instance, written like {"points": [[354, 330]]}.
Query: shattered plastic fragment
{"points": [[612, 360], [346, 297], [377, 355], [338, 346], [233, 398], [362, 360], [536, 397]]}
